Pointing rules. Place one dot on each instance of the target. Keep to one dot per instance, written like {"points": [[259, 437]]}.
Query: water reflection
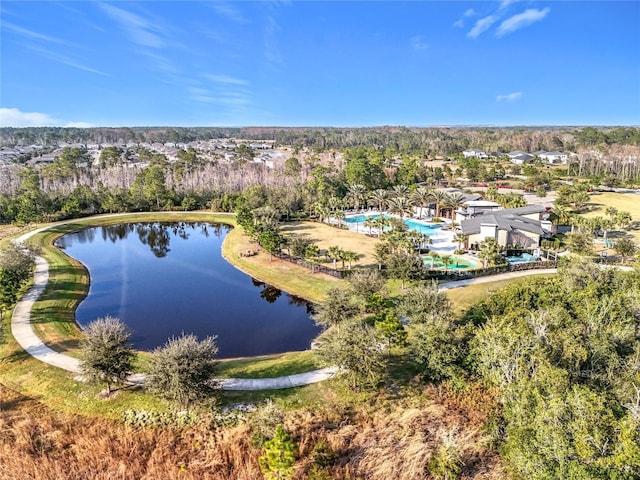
{"points": [[155, 235], [269, 293], [185, 285]]}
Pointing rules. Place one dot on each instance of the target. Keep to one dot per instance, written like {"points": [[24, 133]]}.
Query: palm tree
{"points": [[422, 197], [433, 256], [321, 210], [454, 201], [461, 238], [512, 200], [335, 207], [379, 197], [356, 194], [400, 206], [380, 223], [489, 250], [439, 197], [334, 253], [446, 260], [311, 254], [369, 223], [491, 193], [419, 240], [622, 219], [349, 256], [561, 215], [266, 217], [399, 191]]}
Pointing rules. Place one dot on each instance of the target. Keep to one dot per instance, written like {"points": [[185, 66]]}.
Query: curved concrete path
{"points": [[22, 331]]}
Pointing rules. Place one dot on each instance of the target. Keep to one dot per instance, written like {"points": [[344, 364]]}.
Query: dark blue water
{"points": [[162, 279]]}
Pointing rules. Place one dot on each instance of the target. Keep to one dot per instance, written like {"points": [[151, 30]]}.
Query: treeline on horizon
{"points": [[428, 141]]}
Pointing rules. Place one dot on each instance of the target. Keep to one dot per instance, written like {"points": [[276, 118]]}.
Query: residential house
{"points": [[519, 157], [472, 152], [475, 208], [513, 226], [554, 157]]}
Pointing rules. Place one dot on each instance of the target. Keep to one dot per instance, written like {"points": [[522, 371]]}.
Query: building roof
{"points": [[504, 222], [481, 203], [471, 197], [509, 219], [521, 156]]}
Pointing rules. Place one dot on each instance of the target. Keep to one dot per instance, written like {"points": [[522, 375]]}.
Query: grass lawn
{"points": [[326, 236], [269, 366], [628, 202], [53, 316], [293, 278], [464, 297]]}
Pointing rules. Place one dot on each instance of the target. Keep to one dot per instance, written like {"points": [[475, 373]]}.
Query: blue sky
{"points": [[331, 63]]}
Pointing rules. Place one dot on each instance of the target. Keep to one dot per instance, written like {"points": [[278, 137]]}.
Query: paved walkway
{"points": [[22, 331]]}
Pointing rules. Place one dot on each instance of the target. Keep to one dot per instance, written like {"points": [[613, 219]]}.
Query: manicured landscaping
{"points": [[269, 366], [292, 278], [625, 202], [464, 297]]}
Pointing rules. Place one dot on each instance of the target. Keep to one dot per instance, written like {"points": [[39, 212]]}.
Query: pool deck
{"points": [[441, 239]]}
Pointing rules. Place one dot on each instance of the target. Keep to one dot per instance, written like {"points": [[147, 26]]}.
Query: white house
{"points": [[475, 153], [554, 157], [520, 158]]}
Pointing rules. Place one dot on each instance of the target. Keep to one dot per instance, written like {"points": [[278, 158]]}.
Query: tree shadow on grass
{"points": [[12, 400]]}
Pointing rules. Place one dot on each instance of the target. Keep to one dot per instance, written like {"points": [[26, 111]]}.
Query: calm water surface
{"points": [[162, 279]]}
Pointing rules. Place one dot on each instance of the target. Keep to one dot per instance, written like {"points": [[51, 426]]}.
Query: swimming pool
{"points": [[361, 218], [522, 258], [422, 227]]}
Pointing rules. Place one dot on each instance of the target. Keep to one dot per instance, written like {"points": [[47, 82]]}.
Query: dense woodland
{"points": [[429, 141], [73, 185]]}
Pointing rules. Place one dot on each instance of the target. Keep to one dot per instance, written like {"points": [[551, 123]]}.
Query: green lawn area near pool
{"points": [[626, 202]]}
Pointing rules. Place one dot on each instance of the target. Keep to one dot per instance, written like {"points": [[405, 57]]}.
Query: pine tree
{"points": [[277, 461]]}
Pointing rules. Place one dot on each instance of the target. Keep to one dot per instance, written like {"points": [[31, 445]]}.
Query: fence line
{"points": [[313, 266], [482, 272], [432, 274]]}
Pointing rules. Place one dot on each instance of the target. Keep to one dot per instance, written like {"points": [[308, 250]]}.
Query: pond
{"points": [[162, 279]]}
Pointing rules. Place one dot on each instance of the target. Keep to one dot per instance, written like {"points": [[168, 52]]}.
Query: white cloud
{"points": [[12, 117], [505, 3], [521, 20], [30, 34], [79, 125], [482, 25], [510, 97], [226, 79], [418, 43], [470, 12], [229, 12], [141, 31], [65, 60], [223, 90], [272, 53]]}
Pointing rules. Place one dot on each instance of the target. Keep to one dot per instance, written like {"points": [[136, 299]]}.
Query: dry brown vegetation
{"points": [[392, 439]]}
